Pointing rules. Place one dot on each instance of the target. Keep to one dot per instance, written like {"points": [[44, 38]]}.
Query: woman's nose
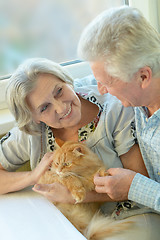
{"points": [[59, 106], [102, 89]]}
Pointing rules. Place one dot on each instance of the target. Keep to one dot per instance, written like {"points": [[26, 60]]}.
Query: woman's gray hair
{"points": [[23, 82], [122, 39]]}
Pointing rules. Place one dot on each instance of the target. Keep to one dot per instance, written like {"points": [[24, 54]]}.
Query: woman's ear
{"points": [[145, 76], [36, 120]]}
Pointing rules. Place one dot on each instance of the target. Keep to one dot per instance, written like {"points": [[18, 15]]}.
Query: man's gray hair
{"points": [[122, 39]]}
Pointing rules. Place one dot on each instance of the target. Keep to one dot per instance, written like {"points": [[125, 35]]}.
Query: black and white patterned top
{"points": [[83, 132]]}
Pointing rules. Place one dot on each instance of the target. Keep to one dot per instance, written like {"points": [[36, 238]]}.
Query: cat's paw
{"points": [[79, 195], [102, 172]]}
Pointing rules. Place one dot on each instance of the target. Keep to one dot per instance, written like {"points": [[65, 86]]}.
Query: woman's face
{"points": [[54, 102]]}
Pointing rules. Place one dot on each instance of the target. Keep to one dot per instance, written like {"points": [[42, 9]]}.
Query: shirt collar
{"points": [[144, 110]]}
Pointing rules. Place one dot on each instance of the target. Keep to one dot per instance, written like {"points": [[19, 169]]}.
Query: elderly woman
{"points": [[48, 110]]}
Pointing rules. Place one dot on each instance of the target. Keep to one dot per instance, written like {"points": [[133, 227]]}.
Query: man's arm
{"points": [[145, 191], [123, 184], [133, 160], [117, 185]]}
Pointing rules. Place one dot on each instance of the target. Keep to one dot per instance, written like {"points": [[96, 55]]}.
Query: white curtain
{"points": [[150, 9]]}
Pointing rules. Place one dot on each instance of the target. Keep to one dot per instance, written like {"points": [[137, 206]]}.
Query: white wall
{"points": [[150, 9]]}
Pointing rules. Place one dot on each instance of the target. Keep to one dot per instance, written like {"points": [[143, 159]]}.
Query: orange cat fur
{"points": [[74, 165]]}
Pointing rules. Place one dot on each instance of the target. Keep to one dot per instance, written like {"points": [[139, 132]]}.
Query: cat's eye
{"points": [[56, 163], [67, 164]]}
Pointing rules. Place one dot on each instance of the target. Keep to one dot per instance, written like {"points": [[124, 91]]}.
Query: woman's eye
{"points": [[44, 108], [59, 91]]}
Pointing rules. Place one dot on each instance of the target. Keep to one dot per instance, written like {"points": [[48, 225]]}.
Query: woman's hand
{"points": [[54, 192], [42, 167]]}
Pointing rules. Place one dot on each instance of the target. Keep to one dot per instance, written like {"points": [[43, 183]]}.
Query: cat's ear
{"points": [[78, 151]]}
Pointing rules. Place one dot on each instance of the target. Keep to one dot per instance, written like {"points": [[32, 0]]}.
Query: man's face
{"points": [[129, 93]]}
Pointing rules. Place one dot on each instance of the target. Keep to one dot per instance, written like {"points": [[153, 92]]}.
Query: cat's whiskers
{"points": [[54, 174], [66, 174]]}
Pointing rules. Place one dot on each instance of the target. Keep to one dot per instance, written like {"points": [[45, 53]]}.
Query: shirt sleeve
{"points": [[145, 191], [123, 135], [14, 149], [85, 81]]}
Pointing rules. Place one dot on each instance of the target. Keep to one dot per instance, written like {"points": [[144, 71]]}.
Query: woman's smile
{"points": [[67, 114]]}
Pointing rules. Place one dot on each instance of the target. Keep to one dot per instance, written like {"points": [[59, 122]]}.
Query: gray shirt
{"points": [[113, 135]]}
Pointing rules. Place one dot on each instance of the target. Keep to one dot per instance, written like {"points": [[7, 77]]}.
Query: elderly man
{"points": [[123, 50]]}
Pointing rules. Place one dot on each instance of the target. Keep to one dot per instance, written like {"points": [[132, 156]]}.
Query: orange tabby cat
{"points": [[74, 165]]}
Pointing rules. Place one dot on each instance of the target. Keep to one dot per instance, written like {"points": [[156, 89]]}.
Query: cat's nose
{"points": [[59, 173]]}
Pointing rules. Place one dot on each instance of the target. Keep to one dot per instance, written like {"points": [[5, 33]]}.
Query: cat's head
{"points": [[71, 158]]}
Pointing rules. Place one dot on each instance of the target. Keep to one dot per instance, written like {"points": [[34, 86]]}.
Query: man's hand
{"points": [[116, 185]]}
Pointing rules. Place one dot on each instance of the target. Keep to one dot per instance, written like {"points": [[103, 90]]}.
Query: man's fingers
{"points": [[112, 171], [100, 189], [100, 180]]}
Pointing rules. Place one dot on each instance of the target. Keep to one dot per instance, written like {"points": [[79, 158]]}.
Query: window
{"points": [[51, 29], [44, 28]]}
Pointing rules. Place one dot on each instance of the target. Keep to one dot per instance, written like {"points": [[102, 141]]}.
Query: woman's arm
{"points": [[57, 192], [14, 181]]}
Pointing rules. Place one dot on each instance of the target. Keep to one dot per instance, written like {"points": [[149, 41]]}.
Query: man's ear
{"points": [[145, 76]]}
